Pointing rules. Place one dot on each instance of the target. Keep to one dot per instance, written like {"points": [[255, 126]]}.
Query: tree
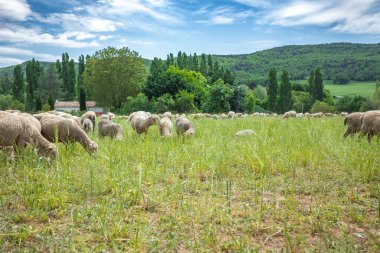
{"points": [[66, 70], [112, 75], [318, 85], [272, 90], [138, 103], [302, 101], [218, 96], [6, 85], [18, 84], [184, 102], [285, 94], [260, 93], [33, 73], [154, 85], [81, 91], [237, 100], [324, 107], [250, 102], [164, 103], [71, 81], [203, 66], [50, 84]]}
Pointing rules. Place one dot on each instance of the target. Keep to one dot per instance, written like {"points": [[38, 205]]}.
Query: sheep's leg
{"points": [[348, 132], [369, 137]]}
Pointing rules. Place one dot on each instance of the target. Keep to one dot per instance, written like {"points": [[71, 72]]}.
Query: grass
{"points": [[364, 89], [297, 186]]}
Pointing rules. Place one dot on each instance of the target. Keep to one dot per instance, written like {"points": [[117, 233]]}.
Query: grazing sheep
{"points": [[223, 116], [168, 114], [353, 122], [245, 132], [231, 114], [87, 125], [328, 114], [317, 115], [166, 126], [67, 130], [18, 131], [215, 116], [89, 115], [344, 114], [111, 129], [105, 116], [184, 126], [290, 114], [368, 124], [141, 121]]}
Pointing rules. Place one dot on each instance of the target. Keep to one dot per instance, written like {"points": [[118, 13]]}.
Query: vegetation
{"points": [[364, 89], [311, 192]]}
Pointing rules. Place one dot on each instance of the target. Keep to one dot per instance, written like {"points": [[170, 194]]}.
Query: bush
{"points": [[218, 96], [302, 101], [250, 102], [45, 108], [341, 78], [350, 104], [324, 107], [138, 103], [184, 102], [164, 103]]}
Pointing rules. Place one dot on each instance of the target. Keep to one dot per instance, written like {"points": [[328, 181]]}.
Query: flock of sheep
{"points": [[41, 131]]}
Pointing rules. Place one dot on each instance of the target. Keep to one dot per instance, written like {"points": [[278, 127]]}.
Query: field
{"points": [[296, 186], [364, 89]]}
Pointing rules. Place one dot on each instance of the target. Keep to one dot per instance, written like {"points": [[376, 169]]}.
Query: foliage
{"points": [[80, 89], [250, 102], [164, 103], [302, 101], [66, 70], [5, 85], [316, 84], [237, 100], [272, 90], [184, 102], [33, 74], [260, 92], [50, 84], [284, 102], [320, 106], [350, 104], [18, 84], [217, 98], [341, 78], [113, 74], [46, 107], [7, 102], [138, 103]]}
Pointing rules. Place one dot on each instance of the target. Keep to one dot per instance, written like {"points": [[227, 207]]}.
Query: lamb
{"points": [[141, 121], [111, 129], [67, 130], [87, 125], [231, 114], [290, 114], [245, 132], [89, 115], [368, 124], [166, 127], [184, 126], [18, 131], [353, 122]]}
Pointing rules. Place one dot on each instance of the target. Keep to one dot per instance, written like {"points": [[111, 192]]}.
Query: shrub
{"points": [[164, 103], [138, 103], [324, 107], [184, 102]]}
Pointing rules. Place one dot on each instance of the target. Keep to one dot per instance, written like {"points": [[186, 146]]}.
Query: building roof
{"points": [[73, 104]]}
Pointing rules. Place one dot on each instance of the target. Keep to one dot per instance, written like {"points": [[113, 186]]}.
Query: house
{"points": [[65, 106]]}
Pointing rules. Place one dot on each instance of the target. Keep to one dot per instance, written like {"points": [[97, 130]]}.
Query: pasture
{"points": [[296, 186], [364, 89]]}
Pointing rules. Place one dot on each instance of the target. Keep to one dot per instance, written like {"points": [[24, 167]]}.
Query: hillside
{"points": [[359, 62]]}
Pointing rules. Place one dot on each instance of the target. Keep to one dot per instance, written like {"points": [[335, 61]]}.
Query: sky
{"points": [[44, 29]]}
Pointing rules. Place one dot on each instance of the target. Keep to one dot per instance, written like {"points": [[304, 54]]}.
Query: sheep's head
{"points": [[92, 147], [50, 151], [119, 133], [155, 119]]}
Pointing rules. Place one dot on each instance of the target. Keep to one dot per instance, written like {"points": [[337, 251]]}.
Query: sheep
{"points": [[344, 114], [368, 121], [184, 126], [353, 122], [290, 114], [89, 115], [67, 130], [141, 121], [105, 116], [223, 116], [245, 132], [317, 115], [18, 131], [328, 114], [231, 114], [111, 129], [168, 114], [87, 125], [215, 116], [166, 127]]}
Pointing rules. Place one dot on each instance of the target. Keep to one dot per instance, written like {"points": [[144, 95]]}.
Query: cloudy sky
{"points": [[44, 29]]}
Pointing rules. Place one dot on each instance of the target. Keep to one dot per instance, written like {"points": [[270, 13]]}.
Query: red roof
{"points": [[73, 104]]}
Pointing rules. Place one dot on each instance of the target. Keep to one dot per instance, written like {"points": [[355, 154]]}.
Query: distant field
{"points": [[354, 88]]}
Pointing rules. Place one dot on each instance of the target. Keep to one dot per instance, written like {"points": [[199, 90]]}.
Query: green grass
{"points": [[364, 89], [297, 186]]}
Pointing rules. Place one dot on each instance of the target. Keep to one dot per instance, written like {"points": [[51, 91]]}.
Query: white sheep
{"points": [[89, 115], [108, 128], [87, 125], [166, 126], [290, 114], [184, 126], [141, 121]]}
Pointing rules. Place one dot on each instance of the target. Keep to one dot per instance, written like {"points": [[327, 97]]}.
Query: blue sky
{"points": [[44, 29]]}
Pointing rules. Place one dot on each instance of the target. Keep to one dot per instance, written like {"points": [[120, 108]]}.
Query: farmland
{"points": [[296, 186], [364, 89]]}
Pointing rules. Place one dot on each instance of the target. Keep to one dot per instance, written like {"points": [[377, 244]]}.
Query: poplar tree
{"points": [[33, 73], [18, 84], [272, 90], [285, 93], [318, 85], [80, 91]]}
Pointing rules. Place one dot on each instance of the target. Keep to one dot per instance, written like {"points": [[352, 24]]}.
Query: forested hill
{"points": [[359, 62]]}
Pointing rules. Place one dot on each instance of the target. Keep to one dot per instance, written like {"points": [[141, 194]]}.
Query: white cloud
{"points": [[7, 61], [18, 34], [225, 16], [17, 10], [26, 52], [254, 3], [105, 37], [351, 16], [220, 20]]}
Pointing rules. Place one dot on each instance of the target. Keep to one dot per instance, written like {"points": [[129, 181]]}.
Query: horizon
{"points": [[43, 30]]}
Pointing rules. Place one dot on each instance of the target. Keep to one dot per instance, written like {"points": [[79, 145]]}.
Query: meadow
{"points": [[364, 89], [295, 186]]}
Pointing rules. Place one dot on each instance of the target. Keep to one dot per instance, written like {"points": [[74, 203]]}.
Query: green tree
{"points": [[184, 102], [81, 91], [66, 70], [33, 73], [112, 75], [318, 85], [164, 103], [311, 82], [272, 90], [203, 65], [155, 83], [18, 84], [302, 101], [50, 84], [250, 102], [71, 83], [237, 102], [138, 103], [320, 106], [218, 96], [5, 85], [260, 93], [285, 94]]}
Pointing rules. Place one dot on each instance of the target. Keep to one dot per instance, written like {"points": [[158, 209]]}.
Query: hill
{"points": [[359, 62]]}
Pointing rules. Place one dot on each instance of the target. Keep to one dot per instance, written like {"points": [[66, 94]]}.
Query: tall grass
{"points": [[295, 186]]}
